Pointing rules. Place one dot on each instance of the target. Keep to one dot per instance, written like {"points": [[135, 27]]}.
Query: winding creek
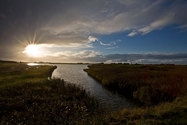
{"points": [[74, 74]]}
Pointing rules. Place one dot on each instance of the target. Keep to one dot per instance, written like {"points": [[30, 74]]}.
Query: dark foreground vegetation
{"points": [[161, 89], [28, 97]]}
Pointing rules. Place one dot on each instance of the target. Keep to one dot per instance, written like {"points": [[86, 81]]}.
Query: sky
{"points": [[129, 31]]}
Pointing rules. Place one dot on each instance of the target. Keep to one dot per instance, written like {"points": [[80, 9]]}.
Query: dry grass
{"points": [[148, 81], [28, 97]]}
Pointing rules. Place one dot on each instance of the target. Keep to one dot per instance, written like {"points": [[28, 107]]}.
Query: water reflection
{"points": [[32, 64], [75, 74]]}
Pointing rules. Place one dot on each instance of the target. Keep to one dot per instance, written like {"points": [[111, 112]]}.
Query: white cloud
{"points": [[79, 55], [114, 47], [86, 54], [92, 39], [63, 54], [158, 24], [109, 43], [105, 44], [58, 51], [133, 33]]}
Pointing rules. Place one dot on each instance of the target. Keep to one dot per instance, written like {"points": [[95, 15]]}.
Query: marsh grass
{"points": [[166, 113], [149, 84], [47, 102], [28, 97], [161, 88]]}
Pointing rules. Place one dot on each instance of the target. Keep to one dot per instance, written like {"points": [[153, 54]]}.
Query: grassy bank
{"points": [[149, 84], [28, 97], [161, 88], [166, 113], [12, 73]]}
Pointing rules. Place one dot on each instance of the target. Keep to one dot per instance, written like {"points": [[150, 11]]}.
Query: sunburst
{"points": [[33, 50]]}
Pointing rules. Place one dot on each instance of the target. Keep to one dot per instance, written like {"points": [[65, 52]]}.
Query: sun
{"points": [[33, 50]]}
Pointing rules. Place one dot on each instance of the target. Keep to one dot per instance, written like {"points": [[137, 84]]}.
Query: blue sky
{"points": [[170, 39], [146, 31]]}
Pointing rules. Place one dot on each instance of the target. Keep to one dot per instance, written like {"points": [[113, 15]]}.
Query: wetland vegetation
{"points": [[29, 96], [160, 89]]}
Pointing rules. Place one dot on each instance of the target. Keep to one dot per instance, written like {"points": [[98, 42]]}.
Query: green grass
{"points": [[28, 97], [18, 73]]}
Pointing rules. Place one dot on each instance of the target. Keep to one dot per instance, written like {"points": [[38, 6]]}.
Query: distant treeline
{"points": [[3, 61]]}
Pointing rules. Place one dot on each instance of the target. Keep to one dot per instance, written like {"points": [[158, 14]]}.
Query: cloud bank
{"points": [[162, 58], [90, 56]]}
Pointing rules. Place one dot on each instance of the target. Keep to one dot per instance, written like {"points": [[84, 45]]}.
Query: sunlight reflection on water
{"points": [[32, 64]]}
